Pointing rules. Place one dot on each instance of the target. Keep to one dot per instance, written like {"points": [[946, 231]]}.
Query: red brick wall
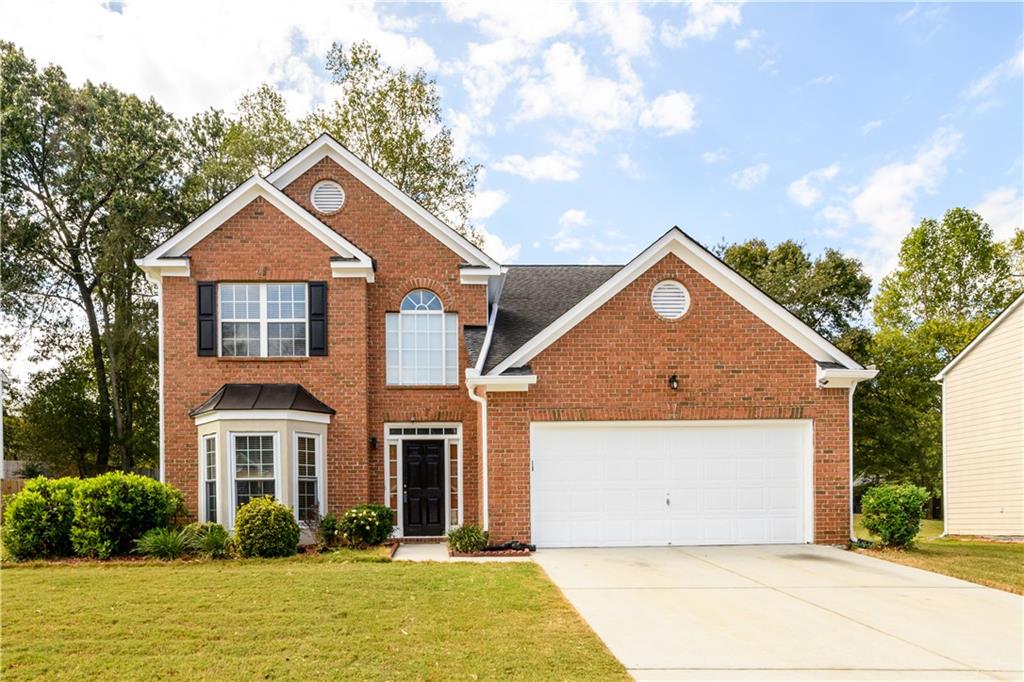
{"points": [[261, 244], [615, 364]]}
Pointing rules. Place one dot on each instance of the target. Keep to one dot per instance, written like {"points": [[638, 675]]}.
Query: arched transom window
{"points": [[422, 342]]}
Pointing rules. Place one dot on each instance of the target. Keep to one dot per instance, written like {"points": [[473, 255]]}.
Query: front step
{"points": [[422, 539]]}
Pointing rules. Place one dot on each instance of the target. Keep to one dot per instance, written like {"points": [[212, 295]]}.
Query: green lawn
{"points": [[301, 618], [996, 564]]}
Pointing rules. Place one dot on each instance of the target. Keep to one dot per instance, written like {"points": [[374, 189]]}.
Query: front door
{"points": [[423, 487]]}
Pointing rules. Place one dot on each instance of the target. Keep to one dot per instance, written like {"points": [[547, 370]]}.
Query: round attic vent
{"points": [[670, 299], [327, 196]]}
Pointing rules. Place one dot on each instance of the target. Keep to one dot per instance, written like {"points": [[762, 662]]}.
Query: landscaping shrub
{"points": [[328, 533], [367, 524], [166, 543], [893, 512], [210, 540], [38, 518], [467, 539], [266, 528], [115, 509]]}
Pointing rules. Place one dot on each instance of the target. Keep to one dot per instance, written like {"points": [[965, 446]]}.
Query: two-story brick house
{"points": [[327, 341]]}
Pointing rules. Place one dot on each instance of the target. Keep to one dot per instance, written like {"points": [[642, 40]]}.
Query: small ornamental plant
{"points": [[467, 539], [366, 524], [893, 512], [266, 528]]}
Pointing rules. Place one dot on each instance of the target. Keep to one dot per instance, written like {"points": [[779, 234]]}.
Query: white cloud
{"points": [[566, 89], [486, 203], [524, 20], [1003, 210], [822, 80], [806, 191], [870, 126], [742, 44], [717, 156], [165, 50], [555, 166], [628, 30], [1011, 68], [498, 249], [671, 113], [567, 239], [836, 216], [703, 20], [628, 165], [751, 176]]}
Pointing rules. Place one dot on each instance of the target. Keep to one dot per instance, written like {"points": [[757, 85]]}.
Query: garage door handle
{"points": [[668, 502]]}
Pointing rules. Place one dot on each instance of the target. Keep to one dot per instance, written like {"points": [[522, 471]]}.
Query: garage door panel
{"points": [[637, 483]]}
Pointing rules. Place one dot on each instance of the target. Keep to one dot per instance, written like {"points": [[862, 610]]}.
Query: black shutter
{"points": [[206, 318], [318, 318]]}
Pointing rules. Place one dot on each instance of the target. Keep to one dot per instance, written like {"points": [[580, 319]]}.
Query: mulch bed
{"points": [[504, 552]]}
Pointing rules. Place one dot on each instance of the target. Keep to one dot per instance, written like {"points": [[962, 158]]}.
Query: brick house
{"points": [[326, 340]]}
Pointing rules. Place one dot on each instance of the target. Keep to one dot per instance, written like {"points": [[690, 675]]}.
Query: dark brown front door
{"points": [[423, 487]]}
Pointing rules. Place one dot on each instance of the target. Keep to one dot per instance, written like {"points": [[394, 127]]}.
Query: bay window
{"points": [[422, 342], [210, 476], [308, 477], [254, 457]]}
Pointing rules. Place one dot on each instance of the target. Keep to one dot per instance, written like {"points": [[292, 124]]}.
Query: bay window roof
{"points": [[262, 397]]}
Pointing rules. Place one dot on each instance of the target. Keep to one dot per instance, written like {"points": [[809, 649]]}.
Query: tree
{"points": [[89, 182], [391, 118], [951, 280], [829, 293]]}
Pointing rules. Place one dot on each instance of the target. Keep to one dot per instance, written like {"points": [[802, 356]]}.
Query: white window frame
{"points": [[445, 316], [321, 477], [448, 439], [232, 508], [204, 476], [263, 320]]}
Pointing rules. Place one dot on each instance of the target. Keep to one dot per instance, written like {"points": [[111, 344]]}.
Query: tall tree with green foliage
{"points": [[391, 118], [89, 181], [830, 292], [953, 277]]}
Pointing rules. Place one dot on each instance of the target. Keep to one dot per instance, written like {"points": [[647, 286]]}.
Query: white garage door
{"points": [[608, 484]]}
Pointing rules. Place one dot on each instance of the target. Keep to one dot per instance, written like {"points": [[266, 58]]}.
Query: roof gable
{"points": [[327, 146], [677, 242], [989, 328], [170, 257]]}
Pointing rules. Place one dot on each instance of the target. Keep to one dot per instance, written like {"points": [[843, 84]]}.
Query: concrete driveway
{"points": [[787, 612]]}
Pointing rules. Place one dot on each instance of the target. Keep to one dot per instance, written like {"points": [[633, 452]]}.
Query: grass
{"points": [[299, 618], [995, 564]]}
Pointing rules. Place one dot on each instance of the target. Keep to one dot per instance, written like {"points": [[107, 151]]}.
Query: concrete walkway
{"points": [[787, 612], [423, 551]]}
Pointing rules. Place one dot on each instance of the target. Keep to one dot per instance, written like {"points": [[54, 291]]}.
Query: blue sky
{"points": [[600, 126]]}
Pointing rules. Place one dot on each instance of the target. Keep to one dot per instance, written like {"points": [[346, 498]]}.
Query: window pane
{"points": [[240, 338], [240, 301], [254, 456], [211, 501], [421, 299], [286, 301], [286, 338], [247, 490]]}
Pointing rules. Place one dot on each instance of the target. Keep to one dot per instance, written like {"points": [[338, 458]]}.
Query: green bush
{"points": [[266, 528], [38, 519], [367, 524], [893, 512], [115, 509], [328, 533], [467, 539], [166, 543], [210, 540]]}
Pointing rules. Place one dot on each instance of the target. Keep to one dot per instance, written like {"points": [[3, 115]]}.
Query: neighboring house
{"points": [[326, 340], [983, 431]]}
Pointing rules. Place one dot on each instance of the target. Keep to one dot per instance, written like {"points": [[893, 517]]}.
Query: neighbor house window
{"points": [[308, 501], [210, 476], [422, 342], [254, 466], [261, 320]]}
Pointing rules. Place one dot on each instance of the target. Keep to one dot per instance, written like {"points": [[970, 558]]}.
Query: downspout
{"points": [[483, 449], [849, 428], [945, 529], [160, 370]]}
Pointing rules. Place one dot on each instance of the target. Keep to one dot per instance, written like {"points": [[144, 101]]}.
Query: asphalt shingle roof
{"points": [[534, 296]]}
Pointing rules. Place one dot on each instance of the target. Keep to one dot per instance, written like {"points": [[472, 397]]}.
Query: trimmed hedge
{"points": [[266, 528], [38, 519], [96, 517], [467, 539], [367, 524], [893, 512]]}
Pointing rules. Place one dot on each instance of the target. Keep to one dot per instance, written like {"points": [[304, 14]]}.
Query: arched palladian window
{"points": [[422, 342]]}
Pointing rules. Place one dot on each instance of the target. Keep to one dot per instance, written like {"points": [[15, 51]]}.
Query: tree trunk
{"points": [[99, 367]]}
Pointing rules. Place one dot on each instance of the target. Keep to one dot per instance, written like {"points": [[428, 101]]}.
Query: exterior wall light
{"points": [[673, 382]]}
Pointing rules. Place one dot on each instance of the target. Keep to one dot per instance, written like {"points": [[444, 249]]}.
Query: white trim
{"points": [[676, 242], [232, 488], [842, 378], [945, 510], [479, 367], [475, 275], [500, 384], [849, 428], [447, 439], [160, 372], [262, 415], [321, 474], [202, 509], [807, 461], [166, 259], [977, 339], [327, 146]]}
